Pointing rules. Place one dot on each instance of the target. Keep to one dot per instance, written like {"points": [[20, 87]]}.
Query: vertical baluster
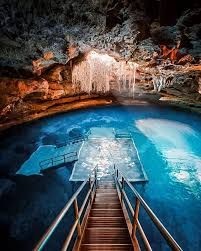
{"points": [[95, 176], [77, 217], [135, 217], [122, 188], [90, 188], [117, 173]]}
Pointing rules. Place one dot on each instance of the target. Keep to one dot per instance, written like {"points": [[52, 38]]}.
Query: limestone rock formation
{"points": [[42, 43]]}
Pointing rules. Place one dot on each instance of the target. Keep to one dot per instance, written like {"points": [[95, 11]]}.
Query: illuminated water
{"points": [[169, 145]]}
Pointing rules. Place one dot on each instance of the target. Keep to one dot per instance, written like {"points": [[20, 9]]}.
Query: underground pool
{"points": [[168, 144]]}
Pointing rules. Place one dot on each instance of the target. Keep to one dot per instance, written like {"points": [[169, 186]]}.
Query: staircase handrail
{"points": [[59, 158], [135, 225], [92, 181]]}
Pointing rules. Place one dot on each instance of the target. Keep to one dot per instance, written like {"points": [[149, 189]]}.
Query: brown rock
{"points": [[55, 73], [67, 73], [6, 110], [27, 87], [56, 94], [72, 51], [56, 90], [153, 63], [186, 59], [48, 55], [55, 86], [199, 87], [41, 64]]}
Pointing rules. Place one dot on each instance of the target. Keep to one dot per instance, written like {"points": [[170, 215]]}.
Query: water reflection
{"points": [[172, 141]]}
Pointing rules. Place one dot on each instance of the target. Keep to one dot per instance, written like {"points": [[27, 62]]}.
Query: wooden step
{"points": [[106, 186], [106, 200], [106, 213], [109, 190], [106, 236], [106, 228], [106, 205], [106, 179], [106, 247], [106, 195], [109, 222], [106, 192]]}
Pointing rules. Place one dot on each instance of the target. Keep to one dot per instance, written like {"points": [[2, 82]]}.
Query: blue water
{"points": [[169, 146]]}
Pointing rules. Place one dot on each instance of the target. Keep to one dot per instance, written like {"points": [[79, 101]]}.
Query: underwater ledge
{"points": [[62, 105]]}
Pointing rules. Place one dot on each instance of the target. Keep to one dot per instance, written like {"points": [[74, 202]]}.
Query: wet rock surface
{"points": [[26, 99], [41, 42]]}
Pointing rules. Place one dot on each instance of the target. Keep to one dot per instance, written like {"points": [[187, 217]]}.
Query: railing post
{"points": [[117, 173], [90, 188], [95, 176], [122, 189], [77, 217], [135, 217]]}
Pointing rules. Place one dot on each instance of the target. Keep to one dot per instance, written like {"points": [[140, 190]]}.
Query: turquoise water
{"points": [[169, 146]]}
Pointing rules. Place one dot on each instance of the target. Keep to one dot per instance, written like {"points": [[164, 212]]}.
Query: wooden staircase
{"points": [[107, 219], [106, 227]]}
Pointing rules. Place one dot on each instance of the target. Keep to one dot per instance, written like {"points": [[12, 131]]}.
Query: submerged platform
{"points": [[106, 148], [48, 157]]}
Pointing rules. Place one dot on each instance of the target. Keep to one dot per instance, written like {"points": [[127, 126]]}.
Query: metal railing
{"points": [[123, 135], [70, 141], [79, 214], [135, 225], [58, 160]]}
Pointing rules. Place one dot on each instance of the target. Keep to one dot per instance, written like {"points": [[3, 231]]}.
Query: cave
{"points": [[100, 127]]}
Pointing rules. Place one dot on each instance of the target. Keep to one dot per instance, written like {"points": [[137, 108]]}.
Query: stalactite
{"points": [[94, 74], [82, 75], [134, 77], [161, 82]]}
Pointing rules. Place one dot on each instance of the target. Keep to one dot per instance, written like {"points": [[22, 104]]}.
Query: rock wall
{"points": [[23, 99], [20, 97], [42, 41]]}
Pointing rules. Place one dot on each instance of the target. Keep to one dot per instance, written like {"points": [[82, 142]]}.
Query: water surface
{"points": [[169, 147]]}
